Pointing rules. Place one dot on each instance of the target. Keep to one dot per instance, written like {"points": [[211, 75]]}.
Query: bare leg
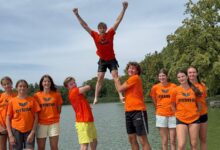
{"points": [[3, 142], [54, 142], [203, 135], [194, 134], [93, 144], [182, 132], [133, 141], [84, 146], [164, 137], [115, 75], [172, 134], [144, 142], [41, 143], [100, 78]]}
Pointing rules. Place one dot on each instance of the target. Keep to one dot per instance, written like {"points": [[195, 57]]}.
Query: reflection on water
{"points": [[110, 124]]}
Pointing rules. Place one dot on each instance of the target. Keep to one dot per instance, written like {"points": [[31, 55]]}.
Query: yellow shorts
{"points": [[86, 132], [51, 130]]}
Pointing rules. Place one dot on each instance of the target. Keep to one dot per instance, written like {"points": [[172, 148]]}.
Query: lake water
{"points": [[110, 125]]}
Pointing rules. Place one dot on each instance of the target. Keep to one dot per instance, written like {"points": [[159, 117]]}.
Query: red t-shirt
{"points": [[134, 97], [80, 105], [104, 44]]}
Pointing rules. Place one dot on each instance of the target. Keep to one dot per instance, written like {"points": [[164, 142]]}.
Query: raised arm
{"points": [[84, 89], [81, 21], [120, 17], [120, 87]]}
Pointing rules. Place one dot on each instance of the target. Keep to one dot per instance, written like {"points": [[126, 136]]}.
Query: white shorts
{"points": [[51, 130], [165, 122]]}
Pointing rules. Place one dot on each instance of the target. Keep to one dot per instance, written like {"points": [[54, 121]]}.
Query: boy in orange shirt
{"points": [[22, 118], [104, 44], [8, 94], [84, 118], [135, 109]]}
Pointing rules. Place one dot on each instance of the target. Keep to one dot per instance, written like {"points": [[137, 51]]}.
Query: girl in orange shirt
{"points": [[186, 100], [194, 78], [22, 118], [50, 101], [135, 109], [165, 117], [8, 94]]}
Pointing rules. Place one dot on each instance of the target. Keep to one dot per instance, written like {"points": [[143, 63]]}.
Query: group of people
{"points": [[180, 110]]}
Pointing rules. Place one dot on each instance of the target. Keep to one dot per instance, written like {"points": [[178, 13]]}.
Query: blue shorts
{"points": [[21, 140]]}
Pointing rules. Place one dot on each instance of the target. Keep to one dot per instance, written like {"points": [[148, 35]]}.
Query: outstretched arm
{"points": [[120, 17], [81, 21], [84, 89]]}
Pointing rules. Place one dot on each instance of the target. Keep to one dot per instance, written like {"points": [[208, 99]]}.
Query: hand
{"points": [[125, 4], [75, 11], [12, 140], [30, 137]]}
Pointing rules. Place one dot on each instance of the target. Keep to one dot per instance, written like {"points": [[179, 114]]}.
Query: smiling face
{"points": [[192, 74], [163, 78], [71, 84], [46, 83], [7, 85], [132, 70], [182, 78], [22, 88]]}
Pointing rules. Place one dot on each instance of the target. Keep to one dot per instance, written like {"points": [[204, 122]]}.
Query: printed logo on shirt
{"points": [[103, 41], [165, 90], [47, 99], [22, 104], [185, 94]]}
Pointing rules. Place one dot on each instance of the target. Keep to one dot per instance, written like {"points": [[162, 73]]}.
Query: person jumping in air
{"points": [[104, 44]]}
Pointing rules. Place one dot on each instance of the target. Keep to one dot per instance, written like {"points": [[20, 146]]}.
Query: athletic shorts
{"points": [[136, 122], [51, 130], [3, 133], [203, 118], [165, 122], [180, 122], [86, 132], [21, 140], [110, 64]]}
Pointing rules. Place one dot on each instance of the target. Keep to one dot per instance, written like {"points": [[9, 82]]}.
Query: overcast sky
{"points": [[40, 37]]}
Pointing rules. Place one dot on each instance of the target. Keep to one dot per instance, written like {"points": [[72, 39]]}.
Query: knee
{"points": [[132, 140], [202, 139], [181, 146], [100, 79], [173, 141], [194, 145]]}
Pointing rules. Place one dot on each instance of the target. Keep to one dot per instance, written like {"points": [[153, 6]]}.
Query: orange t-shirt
{"points": [[4, 100], [49, 103], [104, 44], [161, 96], [202, 88], [134, 97], [80, 105], [186, 107], [22, 113]]}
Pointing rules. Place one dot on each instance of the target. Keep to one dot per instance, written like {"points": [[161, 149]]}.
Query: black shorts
{"points": [[21, 140], [203, 118], [136, 122], [110, 64], [3, 133], [180, 122]]}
